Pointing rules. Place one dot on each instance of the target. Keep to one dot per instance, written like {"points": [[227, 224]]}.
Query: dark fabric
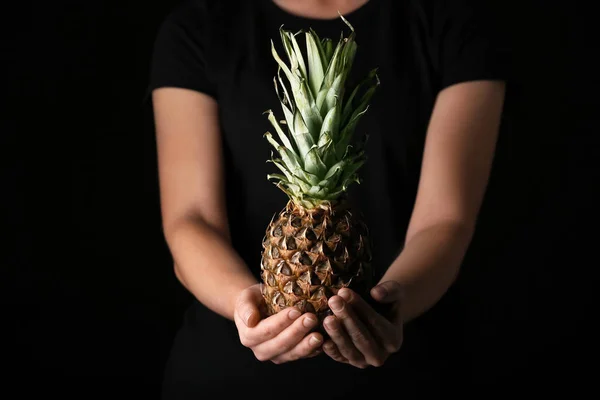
{"points": [[222, 48]]}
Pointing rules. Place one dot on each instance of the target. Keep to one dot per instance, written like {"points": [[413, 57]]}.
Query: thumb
{"points": [[247, 308], [387, 292]]}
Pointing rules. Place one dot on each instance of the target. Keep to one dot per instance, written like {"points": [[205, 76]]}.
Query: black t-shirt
{"points": [[222, 48]]}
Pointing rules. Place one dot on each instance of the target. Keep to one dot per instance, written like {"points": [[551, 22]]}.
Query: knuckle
{"points": [[398, 343], [267, 331], [330, 350], [373, 322], [284, 344], [356, 357], [330, 353], [391, 348], [349, 296], [244, 341], [377, 361], [261, 357], [358, 336], [395, 346]]}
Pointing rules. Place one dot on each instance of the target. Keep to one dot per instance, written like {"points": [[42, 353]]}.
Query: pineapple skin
{"points": [[309, 254]]}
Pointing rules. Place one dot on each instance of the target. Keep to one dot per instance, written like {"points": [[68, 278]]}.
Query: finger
{"points": [[343, 343], [315, 353], [384, 331], [287, 339], [387, 292], [358, 333], [332, 351], [308, 347], [247, 307], [270, 327]]}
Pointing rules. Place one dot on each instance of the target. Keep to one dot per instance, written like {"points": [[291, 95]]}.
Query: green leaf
{"points": [[347, 23], [349, 174], [316, 60], [286, 94], [292, 178], [348, 55], [287, 46], [289, 119], [279, 164], [290, 193], [333, 175], [291, 163], [335, 93], [299, 55], [324, 139], [303, 97], [318, 192], [327, 45], [319, 43], [335, 169], [333, 69], [349, 107], [292, 78], [347, 133], [282, 182], [285, 106], [327, 149], [331, 124], [302, 136], [282, 136], [348, 129], [313, 162], [290, 159]]}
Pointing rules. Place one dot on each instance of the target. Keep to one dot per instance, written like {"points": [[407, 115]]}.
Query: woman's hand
{"points": [[279, 338], [360, 336]]}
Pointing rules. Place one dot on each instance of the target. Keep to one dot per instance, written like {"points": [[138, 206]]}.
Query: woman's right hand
{"points": [[279, 338]]}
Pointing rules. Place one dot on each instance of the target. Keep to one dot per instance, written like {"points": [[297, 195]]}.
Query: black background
{"points": [[91, 301]]}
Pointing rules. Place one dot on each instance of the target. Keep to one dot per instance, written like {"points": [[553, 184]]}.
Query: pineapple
{"points": [[318, 243]]}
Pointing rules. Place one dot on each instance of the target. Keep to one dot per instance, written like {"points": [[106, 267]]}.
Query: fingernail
{"points": [[309, 321], [330, 322], [294, 313], [345, 294], [314, 340], [336, 304], [247, 317], [380, 292]]}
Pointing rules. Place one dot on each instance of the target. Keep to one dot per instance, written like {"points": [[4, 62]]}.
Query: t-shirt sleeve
{"points": [[472, 43], [180, 53]]}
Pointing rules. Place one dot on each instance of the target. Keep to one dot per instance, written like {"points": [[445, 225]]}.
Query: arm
{"points": [[192, 199], [196, 229], [459, 150]]}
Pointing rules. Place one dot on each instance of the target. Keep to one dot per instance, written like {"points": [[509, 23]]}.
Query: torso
{"points": [[241, 61]]}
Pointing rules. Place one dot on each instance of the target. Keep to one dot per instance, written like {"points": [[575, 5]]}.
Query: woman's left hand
{"points": [[359, 335]]}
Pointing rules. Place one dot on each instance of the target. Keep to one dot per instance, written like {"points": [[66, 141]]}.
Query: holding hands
{"points": [[359, 335], [279, 338]]}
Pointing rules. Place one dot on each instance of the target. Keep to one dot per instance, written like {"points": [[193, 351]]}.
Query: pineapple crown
{"points": [[317, 158]]}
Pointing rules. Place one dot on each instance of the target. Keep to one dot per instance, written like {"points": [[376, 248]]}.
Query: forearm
{"points": [[207, 265], [428, 265]]}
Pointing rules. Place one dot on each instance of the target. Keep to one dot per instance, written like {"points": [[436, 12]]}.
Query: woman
{"points": [[433, 127]]}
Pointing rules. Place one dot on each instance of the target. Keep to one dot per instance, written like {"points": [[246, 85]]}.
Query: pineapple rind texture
{"points": [[309, 254]]}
